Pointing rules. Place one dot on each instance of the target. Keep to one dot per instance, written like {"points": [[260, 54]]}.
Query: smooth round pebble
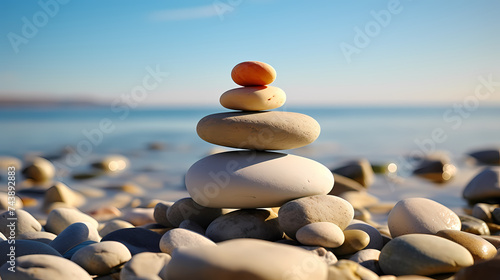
{"points": [[251, 179], [246, 259], [376, 240], [263, 130], [187, 209], [139, 216], [323, 234], [253, 73], [479, 248], [245, 223], [59, 192], [312, 209], [484, 187], [256, 98], [483, 211], [44, 267], [160, 213], [112, 163], [60, 218], [39, 170], [73, 235], [368, 258], [473, 225], [24, 223], [179, 238], [114, 225], [137, 240], [355, 240], [421, 215], [423, 254], [192, 226], [100, 258], [144, 266], [39, 236], [22, 248]]}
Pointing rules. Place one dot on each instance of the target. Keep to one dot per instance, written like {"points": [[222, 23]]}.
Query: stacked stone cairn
{"points": [[265, 195]]}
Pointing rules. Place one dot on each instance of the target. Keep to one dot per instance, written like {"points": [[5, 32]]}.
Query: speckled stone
{"points": [[318, 208]]}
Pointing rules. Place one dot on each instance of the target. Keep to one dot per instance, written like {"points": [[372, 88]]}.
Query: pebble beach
{"points": [[267, 195]]}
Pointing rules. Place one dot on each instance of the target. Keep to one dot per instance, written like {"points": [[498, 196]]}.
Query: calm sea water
{"points": [[379, 134]]}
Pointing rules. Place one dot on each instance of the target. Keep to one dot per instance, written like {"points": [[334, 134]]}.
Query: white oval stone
{"points": [[263, 130], [257, 98], [323, 234], [421, 215], [251, 179], [100, 258], [179, 237]]}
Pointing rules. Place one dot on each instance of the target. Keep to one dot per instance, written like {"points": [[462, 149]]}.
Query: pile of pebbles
{"points": [[257, 214]]}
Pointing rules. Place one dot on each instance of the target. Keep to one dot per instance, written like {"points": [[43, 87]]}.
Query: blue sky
{"points": [[428, 52]]}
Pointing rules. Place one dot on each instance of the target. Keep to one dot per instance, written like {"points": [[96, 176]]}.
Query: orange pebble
{"points": [[253, 73]]}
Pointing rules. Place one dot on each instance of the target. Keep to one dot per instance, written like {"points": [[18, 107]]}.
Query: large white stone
{"points": [[252, 179], [421, 215]]}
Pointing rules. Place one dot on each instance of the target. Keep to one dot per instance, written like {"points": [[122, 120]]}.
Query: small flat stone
{"points": [[482, 270], [179, 238], [256, 98], [487, 156], [39, 170], [60, 218], [421, 215], [114, 225], [323, 234], [137, 240], [253, 73], [376, 240], [73, 235], [246, 259], [188, 209], [100, 258], [436, 169], [44, 267], [479, 248], [360, 171], [144, 266], [39, 236], [23, 248], [423, 254], [252, 179], [344, 184], [25, 223], [263, 130], [312, 209], [473, 225], [245, 223], [484, 187], [355, 240]]}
